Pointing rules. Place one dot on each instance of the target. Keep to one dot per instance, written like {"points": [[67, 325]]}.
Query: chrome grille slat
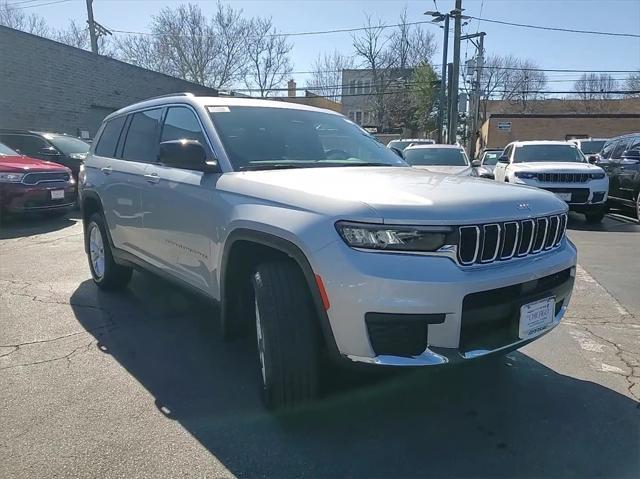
{"points": [[563, 177], [487, 243]]}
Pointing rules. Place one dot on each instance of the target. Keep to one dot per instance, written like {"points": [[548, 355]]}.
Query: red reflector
{"points": [[323, 292]]}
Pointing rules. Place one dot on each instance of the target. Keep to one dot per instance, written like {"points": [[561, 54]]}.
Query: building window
{"points": [[352, 87], [352, 115], [359, 117]]}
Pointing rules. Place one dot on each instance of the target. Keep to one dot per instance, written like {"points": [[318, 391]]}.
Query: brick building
{"points": [[46, 85], [557, 119], [309, 98]]}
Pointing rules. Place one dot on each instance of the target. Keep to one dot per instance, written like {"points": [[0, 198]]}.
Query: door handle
{"points": [[107, 170], [152, 178]]}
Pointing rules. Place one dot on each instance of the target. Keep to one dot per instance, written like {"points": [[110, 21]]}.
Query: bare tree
{"points": [[326, 76], [595, 86], [632, 83], [77, 36], [410, 45], [186, 44], [16, 18], [268, 57]]}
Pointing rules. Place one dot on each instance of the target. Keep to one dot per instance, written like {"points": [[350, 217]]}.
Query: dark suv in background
{"points": [[620, 158], [57, 147]]}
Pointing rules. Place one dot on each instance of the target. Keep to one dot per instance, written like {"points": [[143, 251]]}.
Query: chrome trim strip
{"points": [[516, 240], [544, 237], [475, 254], [555, 235], [496, 249], [533, 235]]}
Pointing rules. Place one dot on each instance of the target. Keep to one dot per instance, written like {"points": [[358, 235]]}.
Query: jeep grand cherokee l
{"points": [[559, 167], [320, 241]]}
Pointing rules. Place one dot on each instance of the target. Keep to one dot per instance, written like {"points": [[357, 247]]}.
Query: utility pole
{"points": [[453, 113], [475, 103], [447, 138], [92, 27], [443, 75]]}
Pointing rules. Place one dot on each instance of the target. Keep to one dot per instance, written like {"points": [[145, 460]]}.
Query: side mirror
{"points": [[503, 159], [488, 175], [476, 163], [186, 154], [49, 153], [633, 155], [593, 159]]}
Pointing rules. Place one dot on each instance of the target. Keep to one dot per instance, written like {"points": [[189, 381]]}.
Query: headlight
{"points": [[394, 238], [11, 177], [597, 176], [526, 175]]}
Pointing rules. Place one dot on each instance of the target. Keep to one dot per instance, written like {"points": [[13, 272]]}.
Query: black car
{"points": [[60, 148], [620, 158]]}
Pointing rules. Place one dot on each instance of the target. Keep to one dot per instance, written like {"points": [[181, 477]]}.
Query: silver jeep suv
{"points": [[319, 240]]}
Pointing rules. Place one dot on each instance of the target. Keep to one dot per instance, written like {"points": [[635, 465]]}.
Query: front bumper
{"points": [[359, 282], [20, 198], [592, 192]]}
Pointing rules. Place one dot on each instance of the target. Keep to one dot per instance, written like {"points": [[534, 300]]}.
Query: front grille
{"points": [[483, 244], [45, 177], [400, 334], [490, 318], [563, 177]]}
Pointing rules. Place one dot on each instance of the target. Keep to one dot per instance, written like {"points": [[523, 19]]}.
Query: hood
{"points": [[26, 164], [449, 170], [400, 195], [556, 167]]}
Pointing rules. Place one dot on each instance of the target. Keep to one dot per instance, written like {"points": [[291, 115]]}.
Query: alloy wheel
{"points": [[96, 250]]}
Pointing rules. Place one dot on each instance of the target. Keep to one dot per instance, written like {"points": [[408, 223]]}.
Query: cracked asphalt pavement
{"points": [[140, 384]]}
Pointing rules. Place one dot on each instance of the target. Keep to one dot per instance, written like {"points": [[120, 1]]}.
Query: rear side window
{"points": [[142, 138], [109, 138]]}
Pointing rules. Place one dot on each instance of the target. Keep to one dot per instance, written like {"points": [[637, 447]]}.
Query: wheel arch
{"points": [[254, 242]]}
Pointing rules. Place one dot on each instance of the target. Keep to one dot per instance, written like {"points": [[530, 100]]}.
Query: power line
{"points": [[37, 5], [557, 29]]}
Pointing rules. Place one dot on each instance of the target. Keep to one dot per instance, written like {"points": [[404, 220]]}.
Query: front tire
{"points": [[288, 340], [106, 273], [596, 216]]}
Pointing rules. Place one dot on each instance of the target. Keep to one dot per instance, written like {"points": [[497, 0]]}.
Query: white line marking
{"points": [[582, 275]]}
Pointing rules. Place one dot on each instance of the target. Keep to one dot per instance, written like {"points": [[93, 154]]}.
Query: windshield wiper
{"points": [[274, 166]]}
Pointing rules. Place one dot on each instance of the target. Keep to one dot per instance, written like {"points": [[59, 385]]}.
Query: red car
{"points": [[27, 184]]}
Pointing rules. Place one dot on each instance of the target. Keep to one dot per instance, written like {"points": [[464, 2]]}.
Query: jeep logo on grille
{"points": [[523, 206]]}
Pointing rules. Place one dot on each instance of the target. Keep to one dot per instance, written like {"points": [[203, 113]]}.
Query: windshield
{"points": [[68, 145], [490, 158], [591, 147], [435, 157], [539, 153], [6, 151], [268, 138]]}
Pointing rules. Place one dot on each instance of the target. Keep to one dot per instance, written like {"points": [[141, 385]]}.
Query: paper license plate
{"points": [[536, 317], [564, 196], [57, 194]]}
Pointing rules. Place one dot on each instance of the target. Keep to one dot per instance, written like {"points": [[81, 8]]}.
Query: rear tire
{"points": [[106, 273], [288, 340]]}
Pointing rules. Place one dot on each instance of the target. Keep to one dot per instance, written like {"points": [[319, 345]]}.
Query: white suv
{"points": [[318, 240], [559, 167]]}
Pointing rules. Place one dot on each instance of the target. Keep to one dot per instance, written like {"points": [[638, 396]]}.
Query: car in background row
{"points": [[590, 147], [484, 166], [33, 185], [449, 159], [558, 167], [60, 148], [620, 158], [398, 146]]}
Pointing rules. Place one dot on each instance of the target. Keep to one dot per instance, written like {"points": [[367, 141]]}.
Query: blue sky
{"points": [[548, 49]]}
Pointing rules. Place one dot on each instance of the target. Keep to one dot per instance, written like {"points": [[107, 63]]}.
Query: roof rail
{"points": [[183, 93]]}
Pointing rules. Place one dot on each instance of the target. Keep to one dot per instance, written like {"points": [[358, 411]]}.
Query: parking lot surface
{"points": [[140, 384]]}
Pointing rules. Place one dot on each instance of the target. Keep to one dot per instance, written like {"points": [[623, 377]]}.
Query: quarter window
{"points": [[109, 138], [142, 138]]}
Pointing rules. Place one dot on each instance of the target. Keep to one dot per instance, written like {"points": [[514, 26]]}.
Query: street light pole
{"points": [[443, 75]]}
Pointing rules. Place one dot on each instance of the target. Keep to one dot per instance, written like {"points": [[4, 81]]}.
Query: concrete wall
{"points": [[45, 85], [555, 128]]}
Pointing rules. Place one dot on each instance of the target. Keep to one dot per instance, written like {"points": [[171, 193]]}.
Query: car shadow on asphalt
{"points": [[509, 418], [577, 222], [35, 223]]}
